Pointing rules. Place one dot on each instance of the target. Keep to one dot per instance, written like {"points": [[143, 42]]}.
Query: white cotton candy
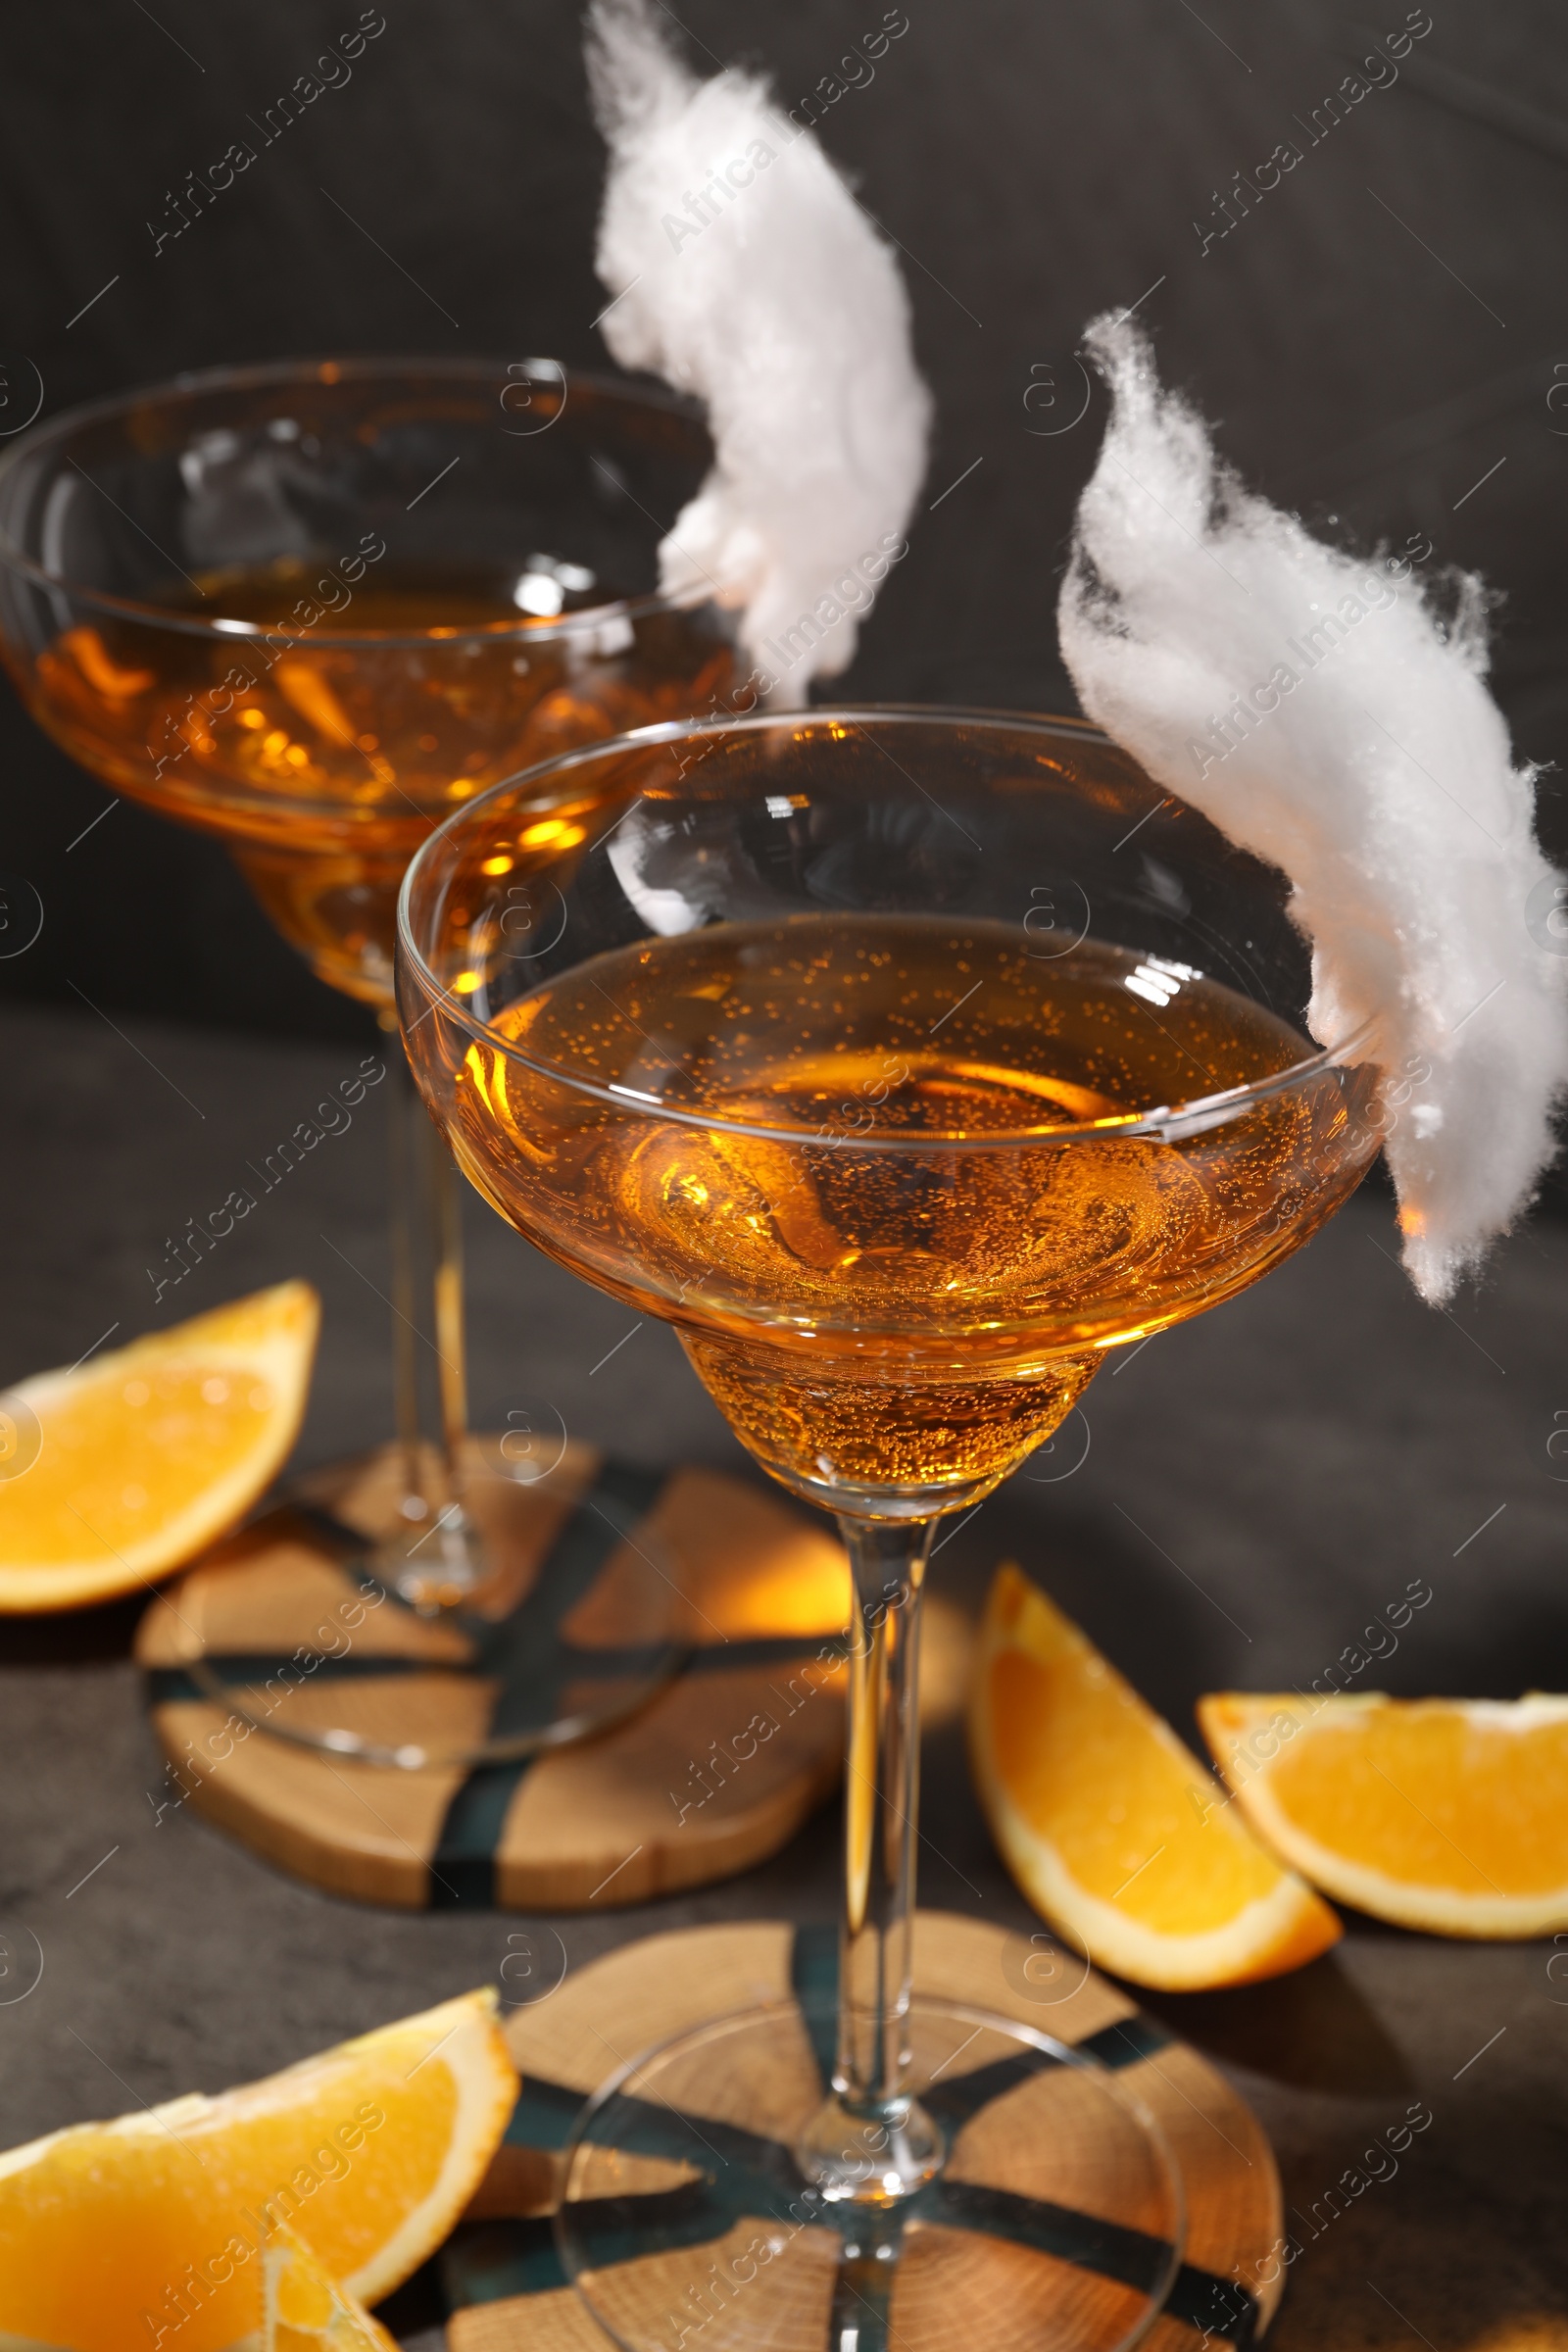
{"points": [[1368, 761], [746, 274]]}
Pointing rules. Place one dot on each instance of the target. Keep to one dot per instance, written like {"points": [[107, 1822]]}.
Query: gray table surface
{"points": [[1255, 1486]]}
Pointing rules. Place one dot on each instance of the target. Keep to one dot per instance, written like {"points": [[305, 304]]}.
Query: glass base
{"points": [[1056, 2219], [330, 1641], [435, 1567], [905, 2145]]}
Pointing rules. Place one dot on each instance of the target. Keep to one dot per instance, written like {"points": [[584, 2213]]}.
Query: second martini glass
{"points": [[311, 608], [907, 1062]]}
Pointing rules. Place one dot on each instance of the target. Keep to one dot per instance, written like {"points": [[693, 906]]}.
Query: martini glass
{"points": [[907, 1062], [311, 608]]}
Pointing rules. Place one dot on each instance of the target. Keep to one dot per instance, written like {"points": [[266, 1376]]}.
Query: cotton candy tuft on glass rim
{"points": [[1330, 717], [743, 270]]}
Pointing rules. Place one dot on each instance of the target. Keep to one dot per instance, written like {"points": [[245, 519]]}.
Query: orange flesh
{"points": [[1428, 1794], [124, 1454], [1074, 1750], [148, 2213]]}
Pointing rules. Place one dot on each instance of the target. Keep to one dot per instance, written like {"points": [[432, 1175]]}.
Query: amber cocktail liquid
{"points": [[322, 740], [876, 1293]]}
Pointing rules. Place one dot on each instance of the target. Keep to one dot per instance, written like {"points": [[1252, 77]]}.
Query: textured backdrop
{"points": [[1375, 334]]}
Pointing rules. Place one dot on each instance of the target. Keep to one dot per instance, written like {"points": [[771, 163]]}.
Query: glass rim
{"points": [[221, 628], [1164, 1122]]}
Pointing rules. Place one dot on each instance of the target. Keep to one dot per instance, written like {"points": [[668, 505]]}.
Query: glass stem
{"points": [[435, 1561], [445, 1194], [881, 1805], [413, 1503], [871, 2141]]}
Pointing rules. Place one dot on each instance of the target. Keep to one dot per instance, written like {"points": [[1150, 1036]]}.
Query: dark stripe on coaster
{"points": [[527, 1657], [482, 2262], [463, 1868], [686, 2220], [1108, 2248], [955, 2101], [544, 2115], [1127, 2042], [167, 1683], [322, 1527], [815, 1982], [354, 1548], [1135, 2258], [325, 1526], [1213, 2306], [757, 2165], [526, 1650]]}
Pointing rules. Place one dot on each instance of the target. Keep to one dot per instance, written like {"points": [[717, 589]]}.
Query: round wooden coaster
{"points": [[502, 2276], [713, 1772]]}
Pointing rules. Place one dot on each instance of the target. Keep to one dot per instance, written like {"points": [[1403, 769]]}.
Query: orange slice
{"points": [[1112, 1827], [307, 2311], [147, 2230], [1448, 1814], [124, 1470]]}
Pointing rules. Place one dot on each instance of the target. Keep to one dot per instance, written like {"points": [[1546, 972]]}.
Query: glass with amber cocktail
{"points": [[310, 609], [907, 1062]]}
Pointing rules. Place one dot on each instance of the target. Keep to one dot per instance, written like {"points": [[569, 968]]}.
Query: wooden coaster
{"points": [[712, 1774], [502, 2274]]}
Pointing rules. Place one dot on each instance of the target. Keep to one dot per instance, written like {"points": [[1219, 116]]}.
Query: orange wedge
{"points": [[153, 2230], [1448, 1814], [123, 1471], [1113, 1830], [307, 2311]]}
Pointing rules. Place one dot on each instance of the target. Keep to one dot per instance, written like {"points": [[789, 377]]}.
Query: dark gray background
{"points": [[1035, 165]]}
